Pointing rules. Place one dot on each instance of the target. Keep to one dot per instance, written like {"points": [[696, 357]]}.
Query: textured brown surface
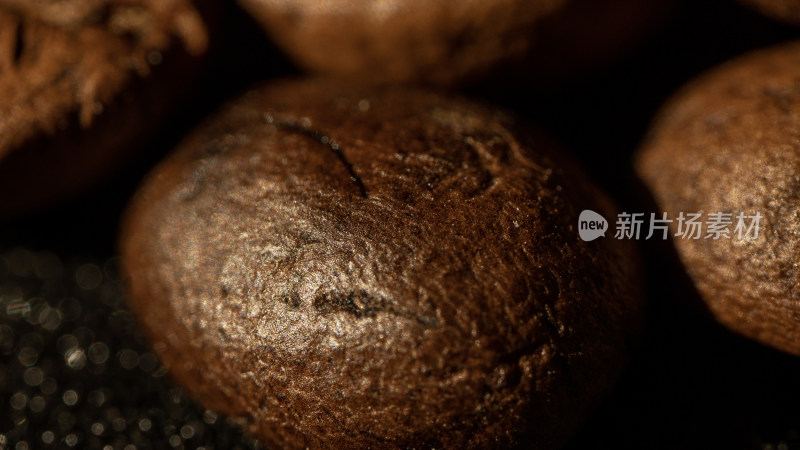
{"points": [[783, 10], [443, 42], [728, 143], [386, 268], [80, 81]]}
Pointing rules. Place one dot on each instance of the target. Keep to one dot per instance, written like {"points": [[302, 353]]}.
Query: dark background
{"points": [[691, 383]]}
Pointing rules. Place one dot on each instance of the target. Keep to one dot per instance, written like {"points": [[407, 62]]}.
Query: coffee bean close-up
{"points": [[308, 224]]}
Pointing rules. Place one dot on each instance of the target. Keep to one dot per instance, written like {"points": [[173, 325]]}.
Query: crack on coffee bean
{"points": [[307, 239], [103, 14], [550, 291], [357, 303], [297, 126], [514, 356], [195, 182], [551, 320], [780, 98], [19, 43], [292, 300], [364, 304], [506, 375], [518, 151], [377, 437]]}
